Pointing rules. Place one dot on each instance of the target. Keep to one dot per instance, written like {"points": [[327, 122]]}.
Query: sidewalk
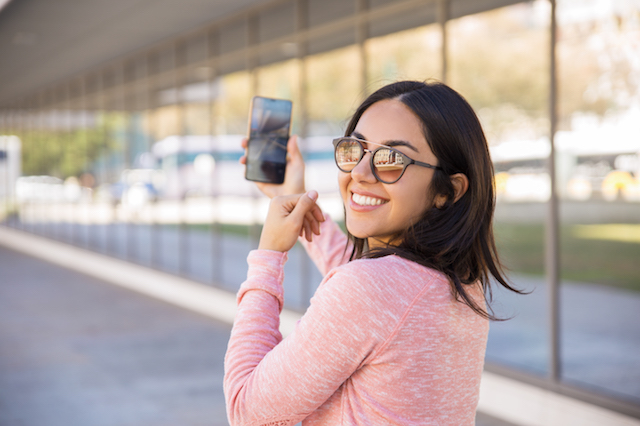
{"points": [[78, 347], [76, 351]]}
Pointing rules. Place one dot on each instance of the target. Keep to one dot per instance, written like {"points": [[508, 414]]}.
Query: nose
{"points": [[362, 171]]}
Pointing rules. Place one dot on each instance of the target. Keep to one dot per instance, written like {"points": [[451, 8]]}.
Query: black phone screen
{"points": [[269, 126]]}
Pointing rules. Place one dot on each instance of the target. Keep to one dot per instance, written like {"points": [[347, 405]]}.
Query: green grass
{"points": [[240, 230], [595, 260], [598, 259]]}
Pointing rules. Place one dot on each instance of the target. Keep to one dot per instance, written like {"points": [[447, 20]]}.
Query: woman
{"points": [[396, 332]]}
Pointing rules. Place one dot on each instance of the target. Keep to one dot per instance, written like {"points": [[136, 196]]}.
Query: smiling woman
{"points": [[396, 205], [396, 332]]}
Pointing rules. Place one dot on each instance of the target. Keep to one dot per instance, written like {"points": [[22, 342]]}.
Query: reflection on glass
{"points": [[282, 81], [170, 156], [334, 90], [498, 61], [413, 54], [598, 165]]}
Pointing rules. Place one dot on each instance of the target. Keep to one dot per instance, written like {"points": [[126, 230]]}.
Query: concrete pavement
{"points": [[76, 351]]}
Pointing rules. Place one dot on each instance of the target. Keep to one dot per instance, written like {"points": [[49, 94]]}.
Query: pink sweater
{"points": [[383, 343]]}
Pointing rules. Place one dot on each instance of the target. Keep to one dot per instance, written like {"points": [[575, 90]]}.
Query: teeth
{"points": [[367, 201]]}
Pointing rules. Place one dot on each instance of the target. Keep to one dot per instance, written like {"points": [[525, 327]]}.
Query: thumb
{"points": [[305, 204]]}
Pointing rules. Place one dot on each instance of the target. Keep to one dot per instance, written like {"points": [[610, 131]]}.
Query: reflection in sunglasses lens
{"points": [[389, 164], [348, 154]]}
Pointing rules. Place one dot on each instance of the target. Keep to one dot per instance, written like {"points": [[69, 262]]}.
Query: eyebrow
{"points": [[390, 143]]}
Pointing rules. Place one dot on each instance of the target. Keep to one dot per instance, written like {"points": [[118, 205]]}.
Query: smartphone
{"points": [[269, 126]]}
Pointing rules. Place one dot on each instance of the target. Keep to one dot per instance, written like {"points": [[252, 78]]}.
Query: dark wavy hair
{"points": [[457, 237]]}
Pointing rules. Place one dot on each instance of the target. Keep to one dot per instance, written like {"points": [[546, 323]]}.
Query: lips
{"points": [[363, 200]]}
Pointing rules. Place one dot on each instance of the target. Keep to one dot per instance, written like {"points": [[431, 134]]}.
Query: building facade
{"points": [[137, 156]]}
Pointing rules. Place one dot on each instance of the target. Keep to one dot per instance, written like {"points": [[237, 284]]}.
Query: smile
{"points": [[363, 200]]}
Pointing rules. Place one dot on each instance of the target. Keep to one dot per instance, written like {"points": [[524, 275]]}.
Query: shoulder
{"points": [[391, 268], [386, 281]]}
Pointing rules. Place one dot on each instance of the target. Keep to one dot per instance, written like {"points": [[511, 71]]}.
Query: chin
{"points": [[357, 233]]}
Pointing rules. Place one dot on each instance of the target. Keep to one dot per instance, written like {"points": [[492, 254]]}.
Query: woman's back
{"points": [[420, 353]]}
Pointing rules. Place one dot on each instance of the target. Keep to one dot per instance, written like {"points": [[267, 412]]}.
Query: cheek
{"points": [[417, 197], [343, 182]]}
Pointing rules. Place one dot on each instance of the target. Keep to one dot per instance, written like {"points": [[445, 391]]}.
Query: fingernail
{"points": [[313, 195]]}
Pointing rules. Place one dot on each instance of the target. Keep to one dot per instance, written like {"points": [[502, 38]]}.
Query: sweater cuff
{"points": [[266, 273]]}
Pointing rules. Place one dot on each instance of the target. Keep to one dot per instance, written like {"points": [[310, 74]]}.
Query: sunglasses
{"points": [[387, 164]]}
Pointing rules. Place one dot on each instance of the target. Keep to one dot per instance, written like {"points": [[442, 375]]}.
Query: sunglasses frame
{"points": [[411, 161]]}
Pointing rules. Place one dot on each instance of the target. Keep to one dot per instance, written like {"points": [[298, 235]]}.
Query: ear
{"points": [[460, 184]]}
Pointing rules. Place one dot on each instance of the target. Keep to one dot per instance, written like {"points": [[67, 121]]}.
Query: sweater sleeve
{"points": [[270, 381], [329, 249]]}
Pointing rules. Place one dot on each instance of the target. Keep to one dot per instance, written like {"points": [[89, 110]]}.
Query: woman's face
{"points": [[376, 210]]}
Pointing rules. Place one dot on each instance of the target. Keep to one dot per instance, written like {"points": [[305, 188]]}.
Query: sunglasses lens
{"points": [[348, 154], [389, 164]]}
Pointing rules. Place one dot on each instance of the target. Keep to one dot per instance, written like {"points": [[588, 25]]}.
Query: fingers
{"points": [[304, 205], [292, 147], [285, 221], [291, 217], [244, 143], [317, 214], [308, 233], [312, 218]]}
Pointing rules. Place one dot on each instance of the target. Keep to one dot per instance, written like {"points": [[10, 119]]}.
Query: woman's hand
{"points": [[294, 174], [290, 216]]}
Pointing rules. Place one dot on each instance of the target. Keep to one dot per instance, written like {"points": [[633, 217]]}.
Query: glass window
{"points": [[498, 62], [598, 164], [282, 80], [407, 55], [334, 90]]}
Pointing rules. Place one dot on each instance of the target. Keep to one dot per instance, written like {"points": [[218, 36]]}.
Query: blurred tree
{"points": [[63, 153], [499, 62]]}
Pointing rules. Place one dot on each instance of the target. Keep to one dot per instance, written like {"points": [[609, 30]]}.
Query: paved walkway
{"points": [[77, 351]]}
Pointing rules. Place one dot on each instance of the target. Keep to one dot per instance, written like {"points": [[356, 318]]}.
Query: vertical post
{"points": [[252, 66], [123, 110], [4, 162], [71, 207], [443, 17], [362, 33], [20, 116], [128, 106], [301, 24], [66, 230], [8, 131], [13, 131], [27, 131], [49, 126], [41, 125], [552, 231], [150, 72], [108, 228], [84, 131], [213, 43], [252, 53], [179, 63]]}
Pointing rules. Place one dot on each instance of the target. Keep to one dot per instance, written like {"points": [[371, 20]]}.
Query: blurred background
{"points": [[121, 121]]}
